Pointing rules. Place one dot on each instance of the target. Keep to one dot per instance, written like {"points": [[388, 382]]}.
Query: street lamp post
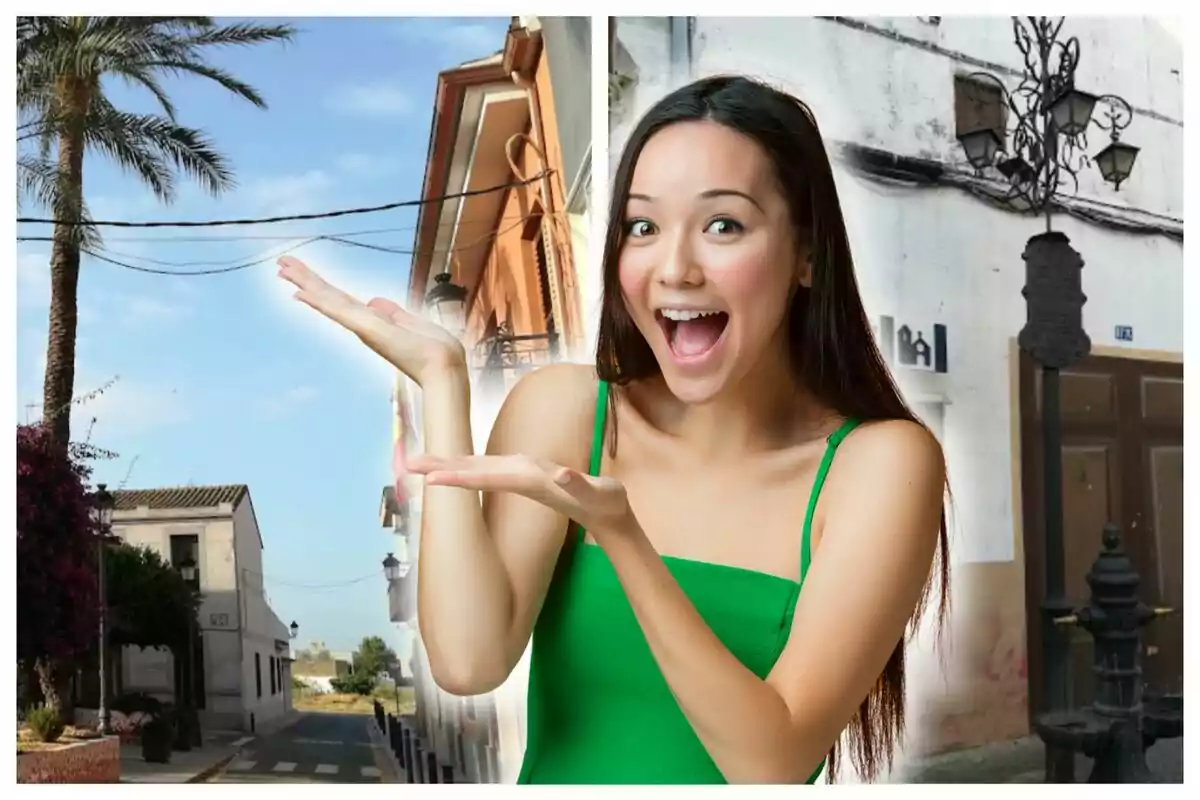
{"points": [[187, 571], [1041, 154], [103, 504], [394, 569]]}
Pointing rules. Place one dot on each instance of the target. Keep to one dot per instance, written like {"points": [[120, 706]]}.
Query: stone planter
{"points": [[94, 761]]}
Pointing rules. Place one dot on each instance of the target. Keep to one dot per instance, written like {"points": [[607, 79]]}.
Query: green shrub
{"points": [[44, 723], [354, 683]]}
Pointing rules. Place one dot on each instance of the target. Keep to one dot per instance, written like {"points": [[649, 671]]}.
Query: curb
{"points": [[206, 773]]}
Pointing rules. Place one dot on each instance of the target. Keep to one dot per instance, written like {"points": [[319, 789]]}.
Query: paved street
{"points": [[319, 748]]}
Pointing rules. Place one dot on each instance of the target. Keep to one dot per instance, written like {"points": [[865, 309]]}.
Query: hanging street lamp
{"points": [[448, 302]]}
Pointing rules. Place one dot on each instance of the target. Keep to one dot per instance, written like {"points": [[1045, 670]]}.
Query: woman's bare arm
{"points": [[483, 571]]}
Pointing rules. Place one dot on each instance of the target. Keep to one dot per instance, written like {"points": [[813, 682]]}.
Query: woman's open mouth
{"points": [[692, 334]]}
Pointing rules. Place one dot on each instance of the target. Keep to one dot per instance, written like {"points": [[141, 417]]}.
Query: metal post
{"points": [[102, 724], [1056, 673]]}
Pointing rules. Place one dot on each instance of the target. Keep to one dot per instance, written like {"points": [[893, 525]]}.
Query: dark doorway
{"points": [[1122, 422]]}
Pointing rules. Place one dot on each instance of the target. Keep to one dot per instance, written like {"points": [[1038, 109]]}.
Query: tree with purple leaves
{"points": [[56, 561]]}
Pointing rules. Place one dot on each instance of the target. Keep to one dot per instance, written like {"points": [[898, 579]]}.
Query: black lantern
{"points": [[102, 506], [187, 569], [1072, 111], [293, 629], [981, 147], [1116, 162], [391, 567], [448, 302]]}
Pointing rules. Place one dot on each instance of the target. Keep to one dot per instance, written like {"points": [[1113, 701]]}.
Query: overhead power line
{"points": [[223, 270], [216, 223]]}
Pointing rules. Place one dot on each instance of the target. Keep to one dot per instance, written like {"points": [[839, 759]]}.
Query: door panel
{"points": [[1122, 433]]}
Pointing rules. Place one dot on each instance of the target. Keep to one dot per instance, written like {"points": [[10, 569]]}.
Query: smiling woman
{"points": [[712, 600]]}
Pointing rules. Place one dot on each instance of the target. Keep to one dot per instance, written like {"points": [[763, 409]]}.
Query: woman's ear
{"points": [[804, 267]]}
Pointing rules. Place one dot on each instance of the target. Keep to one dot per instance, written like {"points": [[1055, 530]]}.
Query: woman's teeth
{"points": [[677, 315]]}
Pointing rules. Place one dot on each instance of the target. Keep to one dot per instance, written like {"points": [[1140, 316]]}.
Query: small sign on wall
{"points": [[1123, 333], [909, 347], [218, 620]]}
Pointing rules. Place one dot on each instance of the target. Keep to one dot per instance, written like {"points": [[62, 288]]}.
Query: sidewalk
{"points": [[192, 766], [1023, 761]]}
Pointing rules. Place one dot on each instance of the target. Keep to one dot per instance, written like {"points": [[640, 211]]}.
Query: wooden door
{"points": [[1122, 446]]}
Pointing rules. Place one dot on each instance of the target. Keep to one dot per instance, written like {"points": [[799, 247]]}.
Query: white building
{"points": [[243, 648], [931, 252]]}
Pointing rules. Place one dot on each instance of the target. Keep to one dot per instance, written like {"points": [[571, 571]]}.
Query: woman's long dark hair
{"points": [[832, 347]]}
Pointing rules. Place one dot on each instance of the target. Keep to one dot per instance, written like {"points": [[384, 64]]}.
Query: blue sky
{"points": [[225, 379]]}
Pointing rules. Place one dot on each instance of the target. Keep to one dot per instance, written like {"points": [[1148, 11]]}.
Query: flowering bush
{"points": [[56, 557]]}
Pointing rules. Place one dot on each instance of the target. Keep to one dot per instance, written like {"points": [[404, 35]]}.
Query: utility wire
{"points": [[250, 237], [216, 223], [279, 253]]}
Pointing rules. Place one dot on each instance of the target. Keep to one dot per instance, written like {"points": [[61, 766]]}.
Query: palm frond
{"points": [[239, 34], [147, 143], [123, 137], [226, 80], [36, 179]]}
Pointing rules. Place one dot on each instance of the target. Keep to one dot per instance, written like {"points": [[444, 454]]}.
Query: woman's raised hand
{"points": [[414, 345]]}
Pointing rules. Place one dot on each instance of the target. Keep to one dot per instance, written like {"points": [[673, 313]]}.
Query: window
{"points": [[258, 673], [978, 106], [274, 677], [183, 547]]}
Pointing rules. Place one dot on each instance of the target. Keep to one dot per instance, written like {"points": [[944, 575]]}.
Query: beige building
{"points": [[242, 652]]}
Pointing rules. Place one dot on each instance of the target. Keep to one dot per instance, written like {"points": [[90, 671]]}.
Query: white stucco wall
{"points": [[261, 627], [235, 619], [928, 256]]}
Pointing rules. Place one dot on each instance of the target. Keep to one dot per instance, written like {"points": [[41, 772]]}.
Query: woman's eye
{"points": [[639, 227], [723, 226]]}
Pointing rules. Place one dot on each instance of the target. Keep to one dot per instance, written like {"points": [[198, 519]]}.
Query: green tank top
{"points": [[599, 708]]}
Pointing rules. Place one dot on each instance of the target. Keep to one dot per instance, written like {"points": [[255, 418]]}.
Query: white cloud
{"points": [[278, 195], [127, 408], [371, 100], [279, 404], [467, 39], [33, 279], [144, 309], [362, 165]]}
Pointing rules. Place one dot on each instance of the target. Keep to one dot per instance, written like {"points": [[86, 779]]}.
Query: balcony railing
{"points": [[501, 359]]}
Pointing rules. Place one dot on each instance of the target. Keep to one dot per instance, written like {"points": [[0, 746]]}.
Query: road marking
{"points": [[370, 772], [242, 765], [327, 769], [285, 766], [245, 740], [325, 742]]}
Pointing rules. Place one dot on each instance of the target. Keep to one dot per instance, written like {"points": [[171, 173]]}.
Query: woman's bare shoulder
{"points": [[549, 412]]}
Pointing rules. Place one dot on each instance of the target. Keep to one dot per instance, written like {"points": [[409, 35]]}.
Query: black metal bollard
{"points": [[447, 773], [408, 746], [431, 767]]}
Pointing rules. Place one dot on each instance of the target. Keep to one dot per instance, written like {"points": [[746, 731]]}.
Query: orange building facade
{"points": [[505, 216]]}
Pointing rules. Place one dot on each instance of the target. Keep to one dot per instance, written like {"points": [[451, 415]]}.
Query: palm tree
{"points": [[62, 65]]}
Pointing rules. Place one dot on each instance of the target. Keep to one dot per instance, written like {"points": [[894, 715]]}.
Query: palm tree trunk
{"points": [[59, 386], [54, 679]]}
